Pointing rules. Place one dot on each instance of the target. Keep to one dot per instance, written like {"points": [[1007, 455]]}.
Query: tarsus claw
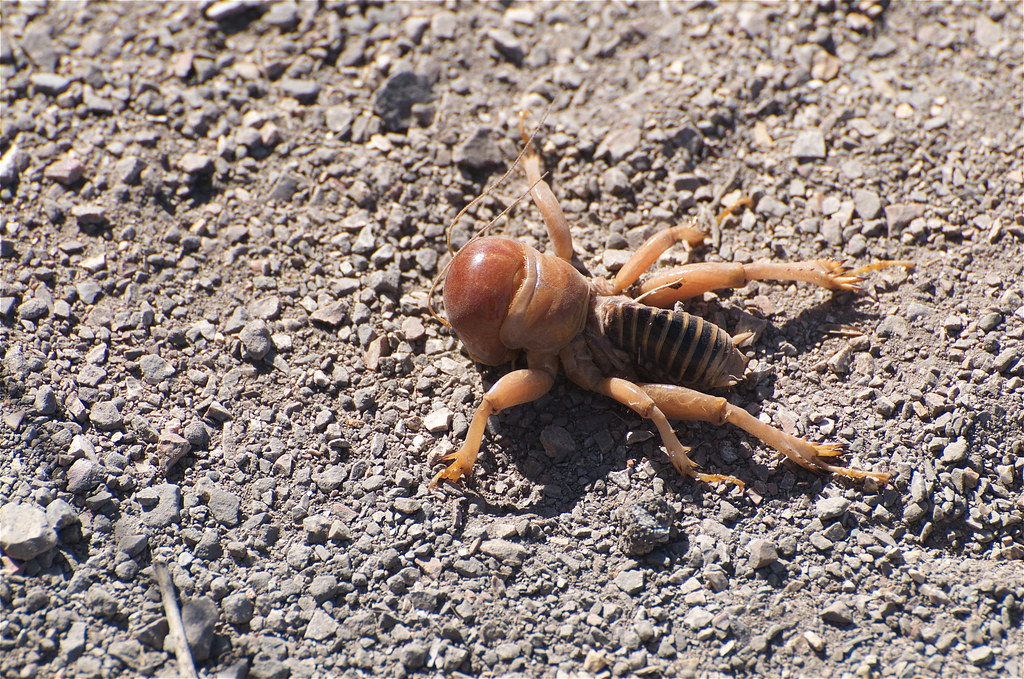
{"points": [[834, 449], [828, 449], [847, 278], [453, 472], [840, 276]]}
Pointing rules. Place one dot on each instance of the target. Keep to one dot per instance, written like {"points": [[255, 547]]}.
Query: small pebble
{"points": [[332, 314], [644, 525], [255, 338], [89, 216], [106, 416], [867, 204], [305, 91], [809, 144], [831, 507], [67, 171], [815, 641], [102, 603], [60, 514], [161, 504], [155, 369], [899, 216], [396, 97], [980, 655], [631, 581], [238, 608], [45, 402], [33, 309], [698, 618], [837, 613], [84, 475], [507, 552], [25, 532], [413, 655], [321, 626], [762, 553], [196, 164], [955, 452], [199, 616]]}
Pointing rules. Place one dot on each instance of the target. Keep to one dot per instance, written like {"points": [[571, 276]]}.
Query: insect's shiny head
{"points": [[478, 291]]}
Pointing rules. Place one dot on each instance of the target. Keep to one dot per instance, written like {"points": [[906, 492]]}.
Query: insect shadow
{"points": [[585, 415]]}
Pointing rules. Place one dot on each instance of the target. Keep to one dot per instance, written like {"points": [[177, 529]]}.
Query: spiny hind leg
{"points": [[686, 404], [631, 395], [665, 288], [515, 388]]}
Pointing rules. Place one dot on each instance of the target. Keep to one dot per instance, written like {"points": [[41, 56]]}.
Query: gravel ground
{"points": [[218, 225]]}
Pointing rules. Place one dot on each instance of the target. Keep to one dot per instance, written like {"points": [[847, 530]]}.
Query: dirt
{"points": [[219, 224]]}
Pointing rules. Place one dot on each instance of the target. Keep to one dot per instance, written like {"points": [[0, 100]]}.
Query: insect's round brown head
{"points": [[478, 291]]}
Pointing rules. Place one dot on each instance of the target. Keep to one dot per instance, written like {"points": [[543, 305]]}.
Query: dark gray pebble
{"points": [[45, 402], [238, 608], [155, 369], [101, 602], [161, 504], [479, 152], [33, 309], [284, 188], [199, 617], [255, 338], [644, 525], [394, 100]]}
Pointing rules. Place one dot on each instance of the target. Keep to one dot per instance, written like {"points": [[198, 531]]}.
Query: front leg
{"points": [[515, 388], [540, 191]]}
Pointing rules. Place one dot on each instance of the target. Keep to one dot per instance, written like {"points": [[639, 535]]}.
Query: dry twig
{"points": [[186, 667]]}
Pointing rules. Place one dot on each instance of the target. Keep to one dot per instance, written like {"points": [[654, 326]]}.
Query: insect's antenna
{"points": [[448, 231], [665, 286], [430, 294], [489, 189], [487, 227]]}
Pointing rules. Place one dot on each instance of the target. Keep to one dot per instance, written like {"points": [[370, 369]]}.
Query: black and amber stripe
{"points": [[673, 346]]}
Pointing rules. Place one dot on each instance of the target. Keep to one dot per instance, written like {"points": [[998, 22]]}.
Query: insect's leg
{"points": [[554, 217], [631, 395], [515, 388], [653, 247], [657, 244], [683, 282], [686, 404]]}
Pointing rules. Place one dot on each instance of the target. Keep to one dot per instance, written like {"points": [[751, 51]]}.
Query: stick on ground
{"points": [[186, 668]]}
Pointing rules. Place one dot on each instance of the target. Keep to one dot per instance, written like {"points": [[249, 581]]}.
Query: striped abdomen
{"points": [[673, 347]]}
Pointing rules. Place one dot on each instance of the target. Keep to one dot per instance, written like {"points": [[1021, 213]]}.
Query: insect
{"points": [[620, 337]]}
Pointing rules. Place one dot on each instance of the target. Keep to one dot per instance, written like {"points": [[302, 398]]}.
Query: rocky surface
{"points": [[218, 224]]}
